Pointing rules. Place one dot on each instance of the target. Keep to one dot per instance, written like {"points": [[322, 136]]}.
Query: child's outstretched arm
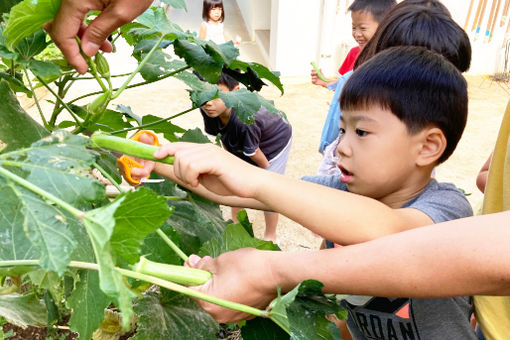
{"points": [[203, 31], [342, 217]]}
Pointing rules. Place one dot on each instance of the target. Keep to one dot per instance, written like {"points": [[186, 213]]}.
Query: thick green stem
{"points": [[35, 98], [172, 245], [140, 65], [144, 126], [26, 184], [107, 175], [151, 279]]}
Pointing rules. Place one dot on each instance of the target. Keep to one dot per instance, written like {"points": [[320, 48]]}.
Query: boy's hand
{"points": [[241, 276], [217, 170], [148, 166], [316, 80]]}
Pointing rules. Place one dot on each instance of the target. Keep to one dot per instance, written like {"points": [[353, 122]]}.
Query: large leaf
{"points": [[253, 73], [27, 17], [168, 129], [197, 57], [44, 69], [245, 103], [15, 84], [60, 164], [235, 237], [152, 23], [88, 303], [155, 249], [12, 117], [223, 53], [178, 317], [139, 214], [159, 64], [263, 329], [302, 311], [31, 46], [23, 310]]}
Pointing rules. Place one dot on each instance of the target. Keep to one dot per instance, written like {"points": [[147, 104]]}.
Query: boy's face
{"points": [[363, 27], [216, 107], [376, 154]]}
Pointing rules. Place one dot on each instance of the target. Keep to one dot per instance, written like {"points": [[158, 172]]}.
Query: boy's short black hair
{"points": [[210, 4], [436, 4], [420, 87], [228, 81], [375, 7], [409, 24]]}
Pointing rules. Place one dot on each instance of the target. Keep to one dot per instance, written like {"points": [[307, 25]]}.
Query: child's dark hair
{"points": [[417, 85], [375, 7], [436, 4], [210, 4], [228, 81], [409, 24]]}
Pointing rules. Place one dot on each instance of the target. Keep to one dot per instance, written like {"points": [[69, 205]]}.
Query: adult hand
{"points": [[241, 276], [217, 170], [68, 23]]}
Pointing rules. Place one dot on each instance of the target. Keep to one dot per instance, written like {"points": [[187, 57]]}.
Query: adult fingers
{"points": [[115, 14]]}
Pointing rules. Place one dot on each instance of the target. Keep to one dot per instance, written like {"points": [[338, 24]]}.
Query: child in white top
{"points": [[212, 27]]}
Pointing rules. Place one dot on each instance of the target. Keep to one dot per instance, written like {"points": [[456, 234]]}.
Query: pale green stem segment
{"points": [[57, 97], [154, 280], [107, 175], [140, 65], [35, 98], [172, 245], [128, 147], [26, 184]]}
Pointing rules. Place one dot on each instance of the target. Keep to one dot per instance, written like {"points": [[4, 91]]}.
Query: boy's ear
{"points": [[433, 144], [237, 87]]}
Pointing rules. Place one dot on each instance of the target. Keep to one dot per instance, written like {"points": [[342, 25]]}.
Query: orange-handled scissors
{"points": [[128, 163]]}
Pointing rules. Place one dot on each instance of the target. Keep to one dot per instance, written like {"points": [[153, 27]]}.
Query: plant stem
{"points": [[35, 99], [143, 126], [172, 245], [139, 67], [113, 76], [107, 175], [57, 97], [151, 279], [26, 184]]}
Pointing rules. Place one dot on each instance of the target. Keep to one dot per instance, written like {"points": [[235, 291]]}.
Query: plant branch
{"points": [[172, 245], [143, 126], [35, 99], [138, 68], [57, 97], [154, 280], [107, 175]]}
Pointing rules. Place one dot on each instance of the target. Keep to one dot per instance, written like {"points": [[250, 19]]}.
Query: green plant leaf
{"points": [[12, 118], [15, 84], [195, 136], [88, 303], [176, 3], [155, 249], [60, 164], [5, 5], [235, 237], [168, 129], [112, 121], [154, 22], [27, 17], [31, 46], [224, 53], [159, 64], [197, 57], [302, 311], [263, 329], [140, 213], [178, 318], [44, 69], [23, 310], [253, 73]]}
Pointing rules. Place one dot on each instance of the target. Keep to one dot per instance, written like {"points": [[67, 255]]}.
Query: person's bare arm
{"points": [[260, 159], [68, 24], [462, 257], [203, 31], [481, 179]]}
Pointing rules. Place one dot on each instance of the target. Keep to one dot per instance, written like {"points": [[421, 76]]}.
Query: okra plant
{"points": [[67, 251]]}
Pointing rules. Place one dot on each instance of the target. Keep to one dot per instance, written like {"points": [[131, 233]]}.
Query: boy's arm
{"points": [[462, 257], [260, 159], [342, 217]]}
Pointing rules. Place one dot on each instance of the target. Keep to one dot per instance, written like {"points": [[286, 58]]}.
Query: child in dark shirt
{"points": [[265, 143]]}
